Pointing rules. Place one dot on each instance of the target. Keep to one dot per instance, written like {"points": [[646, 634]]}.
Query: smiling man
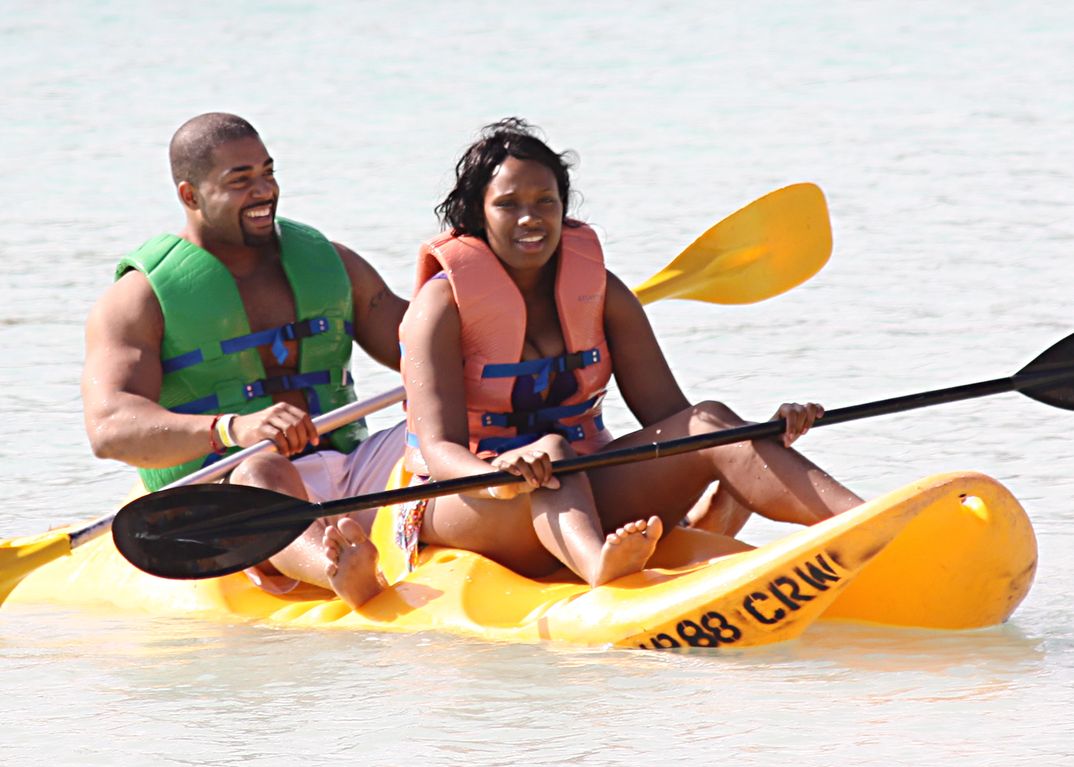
{"points": [[237, 330]]}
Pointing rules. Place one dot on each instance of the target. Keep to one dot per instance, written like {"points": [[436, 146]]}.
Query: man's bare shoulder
{"points": [[129, 304], [371, 291], [377, 310], [354, 263]]}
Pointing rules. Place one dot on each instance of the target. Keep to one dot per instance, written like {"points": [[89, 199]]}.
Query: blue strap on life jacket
{"points": [[503, 444], [526, 421], [267, 386], [570, 433], [542, 368], [276, 336]]}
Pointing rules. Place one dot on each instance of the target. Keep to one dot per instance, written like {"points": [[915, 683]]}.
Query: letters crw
{"points": [[790, 592]]}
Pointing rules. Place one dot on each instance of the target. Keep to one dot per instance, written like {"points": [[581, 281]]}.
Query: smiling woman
{"points": [[512, 338]]}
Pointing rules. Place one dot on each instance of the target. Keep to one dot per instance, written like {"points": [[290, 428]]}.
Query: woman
{"points": [[509, 343]]}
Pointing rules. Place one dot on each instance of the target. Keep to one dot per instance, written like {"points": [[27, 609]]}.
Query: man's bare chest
{"points": [[269, 303]]}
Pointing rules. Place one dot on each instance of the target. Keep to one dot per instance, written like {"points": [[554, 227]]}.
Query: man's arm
{"points": [[377, 310], [121, 384]]}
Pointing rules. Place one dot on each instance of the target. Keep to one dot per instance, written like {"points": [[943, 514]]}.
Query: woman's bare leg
{"points": [[762, 476], [533, 532]]}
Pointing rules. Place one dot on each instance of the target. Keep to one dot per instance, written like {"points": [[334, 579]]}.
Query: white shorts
{"points": [[330, 475]]}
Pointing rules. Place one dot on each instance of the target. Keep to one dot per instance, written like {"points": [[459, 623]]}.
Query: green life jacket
{"points": [[209, 356]]}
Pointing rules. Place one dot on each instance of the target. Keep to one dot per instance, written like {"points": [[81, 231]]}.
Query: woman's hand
{"points": [[531, 464], [799, 418]]}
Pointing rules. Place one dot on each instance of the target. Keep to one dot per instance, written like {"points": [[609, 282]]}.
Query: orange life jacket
{"points": [[492, 314]]}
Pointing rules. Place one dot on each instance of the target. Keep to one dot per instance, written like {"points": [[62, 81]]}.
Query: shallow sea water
{"points": [[941, 138]]}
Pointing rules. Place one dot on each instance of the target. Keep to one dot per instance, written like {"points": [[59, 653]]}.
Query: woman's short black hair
{"points": [[463, 208]]}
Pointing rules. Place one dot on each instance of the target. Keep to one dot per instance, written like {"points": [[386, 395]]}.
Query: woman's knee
{"points": [[556, 446], [715, 415]]}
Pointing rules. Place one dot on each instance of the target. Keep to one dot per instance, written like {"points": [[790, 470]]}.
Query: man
{"points": [[233, 332]]}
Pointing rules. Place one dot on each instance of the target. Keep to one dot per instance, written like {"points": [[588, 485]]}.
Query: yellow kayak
{"points": [[952, 551]]}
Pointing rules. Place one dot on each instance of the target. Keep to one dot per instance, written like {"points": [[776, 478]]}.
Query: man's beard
{"points": [[258, 240]]}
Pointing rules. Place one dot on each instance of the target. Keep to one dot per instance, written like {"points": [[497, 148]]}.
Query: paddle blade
{"points": [[762, 250], [1059, 391], [21, 556], [161, 533]]}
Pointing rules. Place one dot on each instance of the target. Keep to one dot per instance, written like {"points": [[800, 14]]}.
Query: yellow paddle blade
{"points": [[21, 556], [760, 251]]}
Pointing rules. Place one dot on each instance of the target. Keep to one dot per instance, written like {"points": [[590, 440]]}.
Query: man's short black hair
{"points": [[191, 149]]}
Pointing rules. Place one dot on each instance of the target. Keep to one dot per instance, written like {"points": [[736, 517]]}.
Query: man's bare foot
{"points": [[628, 549], [352, 563], [718, 512]]}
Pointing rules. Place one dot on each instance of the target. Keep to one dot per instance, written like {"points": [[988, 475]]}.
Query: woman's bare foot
{"points": [[628, 549], [352, 563]]}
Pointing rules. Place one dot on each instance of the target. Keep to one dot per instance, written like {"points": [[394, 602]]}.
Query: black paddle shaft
{"points": [[1029, 381], [200, 531]]}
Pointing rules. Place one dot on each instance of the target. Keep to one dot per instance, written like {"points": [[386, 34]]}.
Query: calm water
{"points": [[941, 138]]}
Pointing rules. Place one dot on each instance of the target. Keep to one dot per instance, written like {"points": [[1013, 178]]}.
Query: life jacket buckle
{"points": [[577, 360]]}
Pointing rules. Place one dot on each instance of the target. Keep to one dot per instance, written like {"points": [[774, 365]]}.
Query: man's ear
{"points": [[188, 195]]}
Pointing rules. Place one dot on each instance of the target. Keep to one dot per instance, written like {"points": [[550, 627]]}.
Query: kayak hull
{"points": [[953, 551]]}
